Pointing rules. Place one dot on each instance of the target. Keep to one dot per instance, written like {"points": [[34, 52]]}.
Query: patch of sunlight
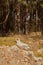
{"points": [[7, 41]]}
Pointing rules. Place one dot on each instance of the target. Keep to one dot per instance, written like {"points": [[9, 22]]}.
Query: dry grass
{"points": [[35, 42]]}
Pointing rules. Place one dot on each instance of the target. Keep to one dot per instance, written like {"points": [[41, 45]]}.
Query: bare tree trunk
{"points": [[31, 14], [6, 13], [36, 15], [26, 23], [17, 22]]}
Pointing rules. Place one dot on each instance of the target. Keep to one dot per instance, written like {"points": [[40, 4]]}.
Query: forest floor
{"points": [[34, 40]]}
